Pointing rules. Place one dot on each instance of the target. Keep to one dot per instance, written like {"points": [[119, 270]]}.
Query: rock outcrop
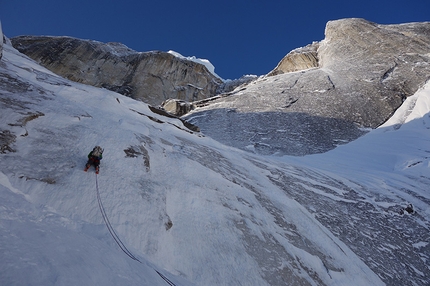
{"points": [[177, 107], [298, 59], [149, 76], [326, 93]]}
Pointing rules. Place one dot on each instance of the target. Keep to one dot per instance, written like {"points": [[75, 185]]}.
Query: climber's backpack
{"points": [[97, 151]]}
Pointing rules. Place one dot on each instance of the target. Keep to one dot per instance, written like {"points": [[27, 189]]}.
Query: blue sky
{"points": [[237, 37]]}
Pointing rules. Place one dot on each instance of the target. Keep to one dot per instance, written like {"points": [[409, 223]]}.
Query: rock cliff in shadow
{"points": [[148, 76]]}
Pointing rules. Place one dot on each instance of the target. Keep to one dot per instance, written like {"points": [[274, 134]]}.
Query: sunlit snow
{"points": [[197, 211]]}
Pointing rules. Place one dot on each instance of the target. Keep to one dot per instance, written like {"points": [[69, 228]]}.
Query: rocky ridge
{"points": [[148, 76]]}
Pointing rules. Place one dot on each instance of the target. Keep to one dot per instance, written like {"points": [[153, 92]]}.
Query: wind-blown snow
{"points": [[197, 211]]}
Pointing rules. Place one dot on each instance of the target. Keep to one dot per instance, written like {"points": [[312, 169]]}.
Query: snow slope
{"points": [[197, 211], [397, 153]]}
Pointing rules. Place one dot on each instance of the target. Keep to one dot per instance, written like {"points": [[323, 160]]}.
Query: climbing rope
{"points": [[110, 228], [165, 278], [116, 237]]}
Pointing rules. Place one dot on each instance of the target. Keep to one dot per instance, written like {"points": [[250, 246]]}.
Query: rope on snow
{"points": [[110, 228], [165, 278], [116, 237]]}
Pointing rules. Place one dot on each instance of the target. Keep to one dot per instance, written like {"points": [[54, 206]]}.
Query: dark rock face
{"points": [[151, 76], [363, 74]]}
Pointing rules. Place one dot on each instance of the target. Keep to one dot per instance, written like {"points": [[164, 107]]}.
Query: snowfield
{"points": [[193, 211]]}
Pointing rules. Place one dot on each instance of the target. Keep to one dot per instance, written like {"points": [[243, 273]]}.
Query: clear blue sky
{"points": [[238, 37]]}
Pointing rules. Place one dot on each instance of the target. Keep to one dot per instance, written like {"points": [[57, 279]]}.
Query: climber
{"points": [[94, 158]]}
